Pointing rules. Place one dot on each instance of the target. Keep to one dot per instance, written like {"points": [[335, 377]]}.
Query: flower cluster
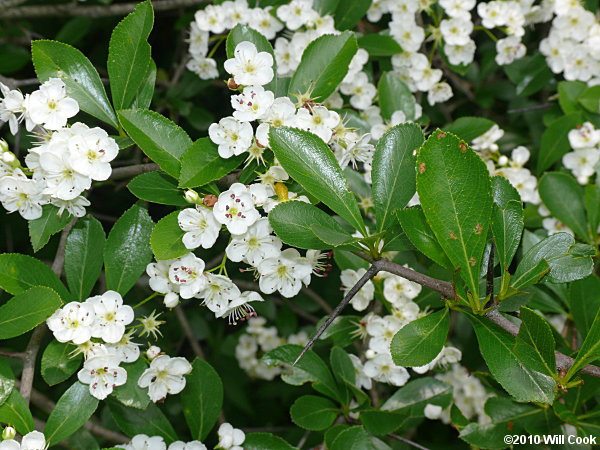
{"points": [[33, 440], [64, 162], [582, 161]]}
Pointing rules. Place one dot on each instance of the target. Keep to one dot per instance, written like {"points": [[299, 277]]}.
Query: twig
{"points": [[70, 10], [19, 355], [370, 273], [189, 333], [408, 441], [530, 108], [122, 173]]}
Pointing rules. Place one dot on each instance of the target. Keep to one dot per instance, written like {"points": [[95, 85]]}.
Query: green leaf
{"points": [[42, 229], [312, 164], [241, 33], [12, 58], [503, 192], [324, 7], [331, 237], [313, 413], [394, 95], [455, 192], [82, 264], [520, 381], [416, 394], [166, 238], [590, 349], [419, 342], [568, 91], [71, 412], [590, 99], [201, 164], [529, 74], [130, 394], [353, 438], [490, 435], [127, 253], [507, 227], [584, 302], [129, 55], [349, 14], [16, 412], [150, 421], [535, 344], [145, 93], [160, 139], [18, 273], [324, 65], [157, 187], [57, 363], [378, 44], [530, 275], [7, 379], [292, 221], [592, 205], [202, 399], [53, 59], [555, 141], [26, 310], [265, 441], [563, 196], [394, 176], [469, 128], [421, 236], [381, 422]]}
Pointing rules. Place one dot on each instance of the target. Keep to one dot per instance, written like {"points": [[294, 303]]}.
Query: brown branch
{"points": [[8, 354], [122, 173], [189, 333], [70, 10]]}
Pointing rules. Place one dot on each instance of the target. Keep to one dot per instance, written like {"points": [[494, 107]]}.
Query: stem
{"points": [[408, 441], [122, 173], [146, 300], [216, 46], [189, 333]]}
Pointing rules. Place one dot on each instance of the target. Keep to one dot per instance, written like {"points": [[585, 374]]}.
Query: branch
{"points": [[189, 333], [408, 441], [121, 173], [70, 10]]}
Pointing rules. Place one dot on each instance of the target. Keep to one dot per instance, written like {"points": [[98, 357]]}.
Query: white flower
{"points": [[250, 67], [509, 49], [200, 226], [432, 412], [487, 141], [439, 93], [165, 376], [239, 309], [320, 121], [125, 349], [205, 68], [257, 244], [297, 13], [360, 379], [12, 109], [19, 193], [263, 22], [553, 226], [111, 316], [76, 206], [235, 209], [103, 374], [187, 272], [361, 91], [407, 33], [448, 355], [73, 322], [456, 31], [159, 277], [49, 106], [144, 442], [218, 293], [382, 331], [252, 104], [211, 18], [282, 112], [357, 150], [460, 54], [92, 151], [382, 368], [34, 440], [62, 180], [232, 136], [398, 290], [192, 445], [283, 273], [584, 137], [363, 297], [582, 163], [230, 438]]}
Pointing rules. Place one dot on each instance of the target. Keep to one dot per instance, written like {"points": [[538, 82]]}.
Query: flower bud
{"points": [[171, 300], [231, 84], [153, 351], [8, 433], [210, 200], [282, 191], [192, 196], [8, 157], [3, 145]]}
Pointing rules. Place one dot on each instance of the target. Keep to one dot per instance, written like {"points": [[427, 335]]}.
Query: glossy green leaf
{"points": [[349, 14], [564, 197], [265, 441], [529, 74], [160, 139], [420, 234], [590, 349], [71, 412], [378, 44], [592, 205], [57, 362], [324, 7], [16, 412], [380, 422], [489, 435], [157, 187], [130, 394], [312, 164], [150, 421], [535, 344], [241, 33], [82, 264], [584, 302], [568, 91], [520, 381], [166, 238], [455, 192], [394, 95], [394, 176], [589, 98], [26, 310], [127, 253], [53, 59], [201, 164], [42, 229], [353, 438], [145, 93], [313, 413], [129, 55], [333, 238], [555, 141], [420, 341], [18, 273], [469, 127], [507, 227], [503, 192], [416, 394], [292, 222], [531, 275], [7, 379], [324, 65]]}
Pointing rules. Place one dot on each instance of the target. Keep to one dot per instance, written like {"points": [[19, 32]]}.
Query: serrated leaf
{"points": [[394, 176], [353, 438], [535, 344], [584, 302], [265, 441], [130, 394], [58, 60], [507, 227], [57, 363], [7, 380], [420, 341], [394, 95], [150, 421], [314, 413], [530, 275], [348, 14], [50, 223], [201, 164], [157, 187], [82, 265], [26, 310], [16, 412], [71, 412], [127, 251], [455, 192], [312, 164], [166, 238], [378, 44], [129, 55], [590, 349], [160, 139], [469, 128]]}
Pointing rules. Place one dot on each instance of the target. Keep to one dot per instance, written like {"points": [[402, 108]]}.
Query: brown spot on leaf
{"points": [[472, 261], [463, 146], [441, 135], [478, 228], [422, 168], [453, 236]]}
